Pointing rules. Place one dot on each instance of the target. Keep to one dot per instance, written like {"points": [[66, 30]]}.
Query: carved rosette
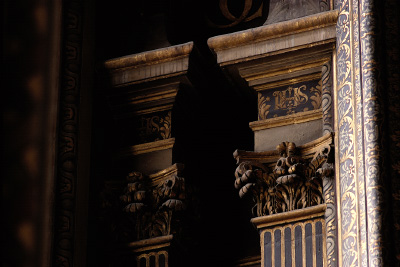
{"points": [[295, 181]]}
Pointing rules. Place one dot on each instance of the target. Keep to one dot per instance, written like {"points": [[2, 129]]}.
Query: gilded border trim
{"points": [[358, 119], [348, 186]]}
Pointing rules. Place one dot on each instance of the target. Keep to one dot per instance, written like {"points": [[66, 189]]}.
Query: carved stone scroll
{"points": [[285, 180]]}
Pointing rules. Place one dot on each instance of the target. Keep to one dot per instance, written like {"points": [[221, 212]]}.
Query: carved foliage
{"points": [[150, 209], [294, 183]]}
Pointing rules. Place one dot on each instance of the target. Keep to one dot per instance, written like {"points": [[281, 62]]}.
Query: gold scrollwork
{"points": [[316, 97], [349, 242], [263, 107]]}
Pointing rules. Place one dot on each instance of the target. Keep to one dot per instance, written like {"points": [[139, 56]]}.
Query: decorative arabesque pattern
{"points": [[348, 195], [294, 182], [360, 118], [287, 100]]}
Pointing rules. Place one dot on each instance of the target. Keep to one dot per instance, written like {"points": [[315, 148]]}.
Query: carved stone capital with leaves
{"points": [[287, 179], [150, 207]]}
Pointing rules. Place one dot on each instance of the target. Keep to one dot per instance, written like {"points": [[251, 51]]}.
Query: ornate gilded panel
{"points": [[287, 100], [151, 127]]}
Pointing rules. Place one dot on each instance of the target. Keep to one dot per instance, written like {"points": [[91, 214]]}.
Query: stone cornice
{"points": [[266, 39], [150, 57], [150, 65]]}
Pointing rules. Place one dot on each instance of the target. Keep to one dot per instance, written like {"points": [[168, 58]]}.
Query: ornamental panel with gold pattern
{"points": [[150, 127], [289, 99]]}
